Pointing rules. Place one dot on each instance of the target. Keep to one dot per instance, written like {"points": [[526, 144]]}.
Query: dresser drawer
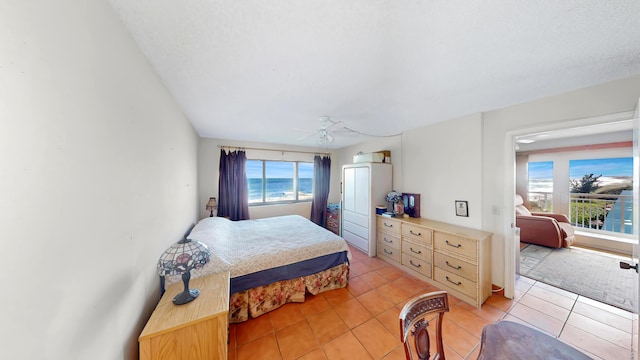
{"points": [[455, 244], [456, 282], [361, 231], [416, 264], [389, 225], [418, 251], [392, 241], [456, 266], [388, 252], [420, 234]]}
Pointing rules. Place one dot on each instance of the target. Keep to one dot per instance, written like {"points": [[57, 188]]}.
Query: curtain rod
{"points": [[276, 150]]}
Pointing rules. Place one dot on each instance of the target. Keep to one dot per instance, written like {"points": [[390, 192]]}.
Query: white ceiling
{"points": [[605, 133], [266, 71]]}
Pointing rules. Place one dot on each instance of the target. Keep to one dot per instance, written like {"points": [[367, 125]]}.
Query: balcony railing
{"points": [[541, 201], [597, 212], [604, 212]]}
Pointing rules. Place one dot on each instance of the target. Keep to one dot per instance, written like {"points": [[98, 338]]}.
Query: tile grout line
{"points": [[568, 316]]}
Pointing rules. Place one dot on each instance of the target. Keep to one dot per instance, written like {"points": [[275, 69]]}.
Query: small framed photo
{"points": [[462, 208]]}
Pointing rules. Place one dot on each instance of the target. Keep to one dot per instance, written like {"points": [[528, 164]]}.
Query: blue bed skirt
{"points": [[287, 272]]}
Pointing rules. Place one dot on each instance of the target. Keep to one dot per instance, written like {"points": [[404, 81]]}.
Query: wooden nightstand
{"points": [[196, 330]]}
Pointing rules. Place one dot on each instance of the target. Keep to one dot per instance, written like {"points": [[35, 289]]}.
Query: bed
{"points": [[271, 261]]}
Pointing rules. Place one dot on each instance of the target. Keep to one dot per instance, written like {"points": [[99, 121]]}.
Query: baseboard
{"points": [[609, 244]]}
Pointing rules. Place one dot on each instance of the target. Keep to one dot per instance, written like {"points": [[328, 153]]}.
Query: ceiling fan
{"points": [[328, 131]]}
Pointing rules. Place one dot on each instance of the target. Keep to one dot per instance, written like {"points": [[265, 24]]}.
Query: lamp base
{"points": [[186, 296]]}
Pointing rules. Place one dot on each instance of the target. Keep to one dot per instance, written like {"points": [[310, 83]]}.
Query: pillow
{"points": [[211, 228]]}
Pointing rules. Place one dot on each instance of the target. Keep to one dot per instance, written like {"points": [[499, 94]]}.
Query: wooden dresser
{"points": [[450, 257], [196, 330], [389, 232]]}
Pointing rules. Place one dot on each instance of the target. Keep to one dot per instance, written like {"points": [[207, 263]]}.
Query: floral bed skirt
{"points": [[257, 301]]}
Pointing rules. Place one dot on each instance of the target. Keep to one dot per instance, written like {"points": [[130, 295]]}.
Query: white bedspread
{"points": [[248, 246]]}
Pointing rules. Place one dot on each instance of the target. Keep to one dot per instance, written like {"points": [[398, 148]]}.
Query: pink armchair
{"points": [[546, 229]]}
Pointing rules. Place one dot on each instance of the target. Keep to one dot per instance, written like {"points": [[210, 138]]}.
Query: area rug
{"points": [[589, 273]]}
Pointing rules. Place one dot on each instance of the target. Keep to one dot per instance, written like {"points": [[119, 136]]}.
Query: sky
{"points": [[579, 168], [278, 169]]}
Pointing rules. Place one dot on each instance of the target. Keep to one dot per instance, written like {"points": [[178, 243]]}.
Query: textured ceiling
{"points": [[257, 70]]}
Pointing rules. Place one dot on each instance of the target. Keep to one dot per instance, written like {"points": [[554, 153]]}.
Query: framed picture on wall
{"points": [[462, 208]]}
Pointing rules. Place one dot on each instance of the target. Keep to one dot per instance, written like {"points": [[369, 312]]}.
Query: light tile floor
{"points": [[361, 320]]}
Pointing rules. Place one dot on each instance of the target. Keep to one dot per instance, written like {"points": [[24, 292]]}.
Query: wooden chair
{"points": [[414, 323]]}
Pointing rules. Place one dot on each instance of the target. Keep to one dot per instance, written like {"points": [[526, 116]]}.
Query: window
{"points": [[602, 194], [540, 185], [279, 181]]}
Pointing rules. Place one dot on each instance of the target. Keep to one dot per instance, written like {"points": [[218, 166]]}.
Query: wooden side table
{"points": [[196, 330]]}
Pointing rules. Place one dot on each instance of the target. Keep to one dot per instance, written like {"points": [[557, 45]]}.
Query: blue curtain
{"points": [[233, 189], [321, 181]]}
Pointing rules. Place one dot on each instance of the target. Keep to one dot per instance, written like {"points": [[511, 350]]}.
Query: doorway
{"points": [[568, 134], [551, 179]]}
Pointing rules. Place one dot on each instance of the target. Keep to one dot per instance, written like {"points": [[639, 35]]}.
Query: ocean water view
{"points": [[542, 185], [277, 189]]}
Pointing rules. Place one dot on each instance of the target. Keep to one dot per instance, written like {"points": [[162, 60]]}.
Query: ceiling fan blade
{"points": [[328, 131], [346, 133], [334, 125]]}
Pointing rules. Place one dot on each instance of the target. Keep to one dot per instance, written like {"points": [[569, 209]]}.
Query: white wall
{"points": [[550, 113], [98, 177], [443, 163], [209, 165]]}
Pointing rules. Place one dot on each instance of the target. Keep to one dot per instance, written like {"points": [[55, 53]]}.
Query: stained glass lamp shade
{"points": [[180, 259]]}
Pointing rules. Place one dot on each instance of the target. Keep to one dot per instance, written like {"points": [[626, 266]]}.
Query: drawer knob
{"points": [[450, 244], [453, 282], [454, 267], [416, 234], [388, 225], [416, 265], [388, 252], [416, 252], [389, 241]]}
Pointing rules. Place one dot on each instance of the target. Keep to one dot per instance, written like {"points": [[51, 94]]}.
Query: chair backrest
{"points": [[414, 323], [520, 208]]}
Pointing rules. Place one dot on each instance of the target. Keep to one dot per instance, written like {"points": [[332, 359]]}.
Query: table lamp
{"points": [[212, 204], [180, 259]]}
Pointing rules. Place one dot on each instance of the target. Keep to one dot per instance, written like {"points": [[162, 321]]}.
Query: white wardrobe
{"points": [[364, 185]]}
